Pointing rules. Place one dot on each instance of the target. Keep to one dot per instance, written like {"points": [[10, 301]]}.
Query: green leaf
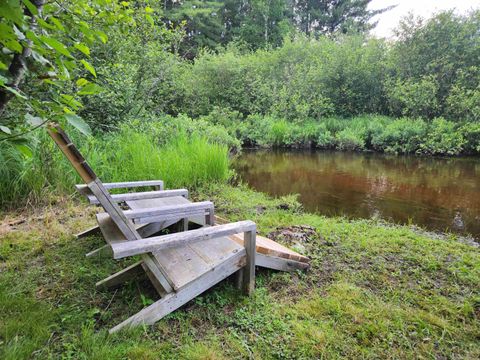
{"points": [[148, 10], [33, 120], [82, 82], [103, 37], [90, 89], [83, 48], [56, 45], [89, 67], [45, 24], [3, 66], [11, 10], [57, 23], [78, 123], [70, 101], [32, 8], [24, 149], [150, 19], [3, 80], [5, 129], [15, 92]]}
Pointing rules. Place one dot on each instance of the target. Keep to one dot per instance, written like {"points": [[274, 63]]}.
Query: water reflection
{"points": [[437, 193]]}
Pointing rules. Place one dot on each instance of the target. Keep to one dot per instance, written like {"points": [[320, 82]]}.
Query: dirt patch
{"points": [[295, 234]]}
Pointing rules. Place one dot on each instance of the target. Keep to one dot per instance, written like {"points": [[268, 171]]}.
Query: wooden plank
{"points": [[161, 282], [249, 269], [276, 263], [142, 246], [71, 152], [141, 195], [88, 232], [186, 263], [267, 246], [182, 210], [152, 203], [121, 276], [127, 184], [116, 213], [173, 301]]}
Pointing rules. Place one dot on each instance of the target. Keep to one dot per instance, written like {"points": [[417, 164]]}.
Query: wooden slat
{"points": [[121, 276], [152, 203], [180, 210], [141, 195], [276, 263], [124, 249], [88, 232], [267, 246], [127, 184]]}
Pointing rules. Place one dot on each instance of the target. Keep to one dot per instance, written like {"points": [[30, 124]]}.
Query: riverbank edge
{"points": [[375, 289]]}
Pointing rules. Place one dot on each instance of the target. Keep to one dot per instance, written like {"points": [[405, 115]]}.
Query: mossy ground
{"points": [[374, 290]]}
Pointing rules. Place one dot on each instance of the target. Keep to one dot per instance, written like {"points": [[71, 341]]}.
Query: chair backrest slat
{"points": [[92, 181]]}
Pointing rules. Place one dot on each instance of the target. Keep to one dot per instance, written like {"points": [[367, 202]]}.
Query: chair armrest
{"points": [[83, 189], [130, 248], [169, 212], [142, 195]]}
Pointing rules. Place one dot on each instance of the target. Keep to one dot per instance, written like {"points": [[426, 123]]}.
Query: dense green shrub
{"points": [[401, 136], [349, 139], [413, 97], [442, 138], [471, 135], [463, 101]]}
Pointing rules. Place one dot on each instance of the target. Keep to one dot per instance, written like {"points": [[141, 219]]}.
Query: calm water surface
{"points": [[436, 193]]}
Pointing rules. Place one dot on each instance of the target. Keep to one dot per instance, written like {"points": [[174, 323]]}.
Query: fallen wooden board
{"points": [[267, 246]]}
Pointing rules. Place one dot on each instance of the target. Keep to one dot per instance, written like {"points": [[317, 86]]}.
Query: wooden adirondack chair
{"points": [[180, 266]]}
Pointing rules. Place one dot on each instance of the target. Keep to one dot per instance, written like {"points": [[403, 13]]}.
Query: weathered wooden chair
{"points": [[181, 265]]}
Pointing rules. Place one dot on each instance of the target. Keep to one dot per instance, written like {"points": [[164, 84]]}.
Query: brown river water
{"points": [[440, 194]]}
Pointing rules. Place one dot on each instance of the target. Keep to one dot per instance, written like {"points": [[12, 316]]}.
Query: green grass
{"points": [[127, 155], [374, 290]]}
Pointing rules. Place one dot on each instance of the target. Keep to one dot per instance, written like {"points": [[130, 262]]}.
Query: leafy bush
{"points": [[413, 97], [471, 135], [349, 139], [463, 101], [442, 138], [401, 136]]}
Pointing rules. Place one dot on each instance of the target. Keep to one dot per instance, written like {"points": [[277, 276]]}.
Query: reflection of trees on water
{"points": [[444, 191]]}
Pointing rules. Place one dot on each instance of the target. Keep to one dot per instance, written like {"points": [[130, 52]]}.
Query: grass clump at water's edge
{"points": [[373, 291], [180, 160]]}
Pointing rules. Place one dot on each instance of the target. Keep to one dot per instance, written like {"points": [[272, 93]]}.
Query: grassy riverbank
{"points": [[374, 290]]}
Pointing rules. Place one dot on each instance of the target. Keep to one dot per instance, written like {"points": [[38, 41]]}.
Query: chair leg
{"points": [[249, 239], [239, 279], [121, 276]]}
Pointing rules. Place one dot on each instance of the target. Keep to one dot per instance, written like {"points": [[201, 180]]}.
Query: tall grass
{"points": [[127, 155], [183, 161]]}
